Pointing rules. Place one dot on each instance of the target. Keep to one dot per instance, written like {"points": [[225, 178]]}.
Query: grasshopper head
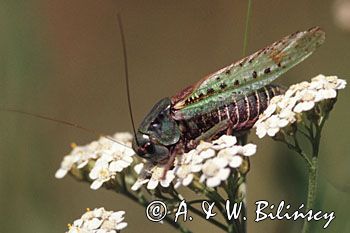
{"points": [[157, 133], [148, 149]]}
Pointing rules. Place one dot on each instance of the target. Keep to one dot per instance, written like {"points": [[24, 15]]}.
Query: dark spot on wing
{"points": [[255, 75], [210, 91], [267, 70], [236, 83], [223, 85]]}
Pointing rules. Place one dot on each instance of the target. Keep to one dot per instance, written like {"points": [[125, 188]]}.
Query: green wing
{"points": [[248, 74]]}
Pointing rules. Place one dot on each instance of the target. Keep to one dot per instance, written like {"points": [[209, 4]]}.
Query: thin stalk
{"points": [[305, 134], [312, 190], [313, 170], [243, 192], [298, 150], [236, 190], [246, 30], [231, 190]]}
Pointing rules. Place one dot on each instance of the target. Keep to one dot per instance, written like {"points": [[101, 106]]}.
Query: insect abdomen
{"points": [[252, 106], [242, 113]]}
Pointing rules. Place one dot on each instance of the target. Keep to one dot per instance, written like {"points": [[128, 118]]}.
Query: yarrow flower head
{"points": [[284, 110], [99, 221], [79, 157], [210, 162], [107, 157]]}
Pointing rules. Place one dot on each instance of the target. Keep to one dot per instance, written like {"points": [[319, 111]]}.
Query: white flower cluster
{"points": [[211, 162], [99, 221], [110, 157], [284, 110]]}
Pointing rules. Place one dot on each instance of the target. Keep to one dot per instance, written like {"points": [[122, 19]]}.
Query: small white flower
{"points": [[302, 97], [99, 221], [79, 157], [270, 109], [231, 156], [66, 164], [214, 172], [93, 224], [207, 153], [203, 146], [118, 156], [157, 178], [307, 99], [152, 175], [236, 161], [304, 106], [248, 149], [224, 141], [186, 165], [100, 174], [325, 94]]}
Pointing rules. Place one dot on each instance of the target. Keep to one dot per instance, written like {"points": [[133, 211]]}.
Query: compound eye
{"points": [[149, 148]]}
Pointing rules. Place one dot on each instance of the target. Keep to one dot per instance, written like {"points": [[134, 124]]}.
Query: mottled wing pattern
{"points": [[248, 74]]}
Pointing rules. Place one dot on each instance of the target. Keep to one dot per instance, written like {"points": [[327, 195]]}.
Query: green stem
{"points": [[243, 192], [313, 170], [311, 194], [236, 191], [231, 190]]}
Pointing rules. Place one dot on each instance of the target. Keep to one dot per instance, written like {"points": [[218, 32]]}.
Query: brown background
{"points": [[63, 59]]}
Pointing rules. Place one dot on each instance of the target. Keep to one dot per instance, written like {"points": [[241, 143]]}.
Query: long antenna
{"points": [[64, 122], [126, 74]]}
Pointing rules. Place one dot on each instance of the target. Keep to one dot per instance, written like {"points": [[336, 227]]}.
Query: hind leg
{"points": [[212, 132]]}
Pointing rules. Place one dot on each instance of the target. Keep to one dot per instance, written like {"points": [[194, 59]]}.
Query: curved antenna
{"points": [[126, 74], [64, 122]]}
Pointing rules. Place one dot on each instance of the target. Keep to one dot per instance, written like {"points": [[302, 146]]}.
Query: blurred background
{"points": [[63, 59]]}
